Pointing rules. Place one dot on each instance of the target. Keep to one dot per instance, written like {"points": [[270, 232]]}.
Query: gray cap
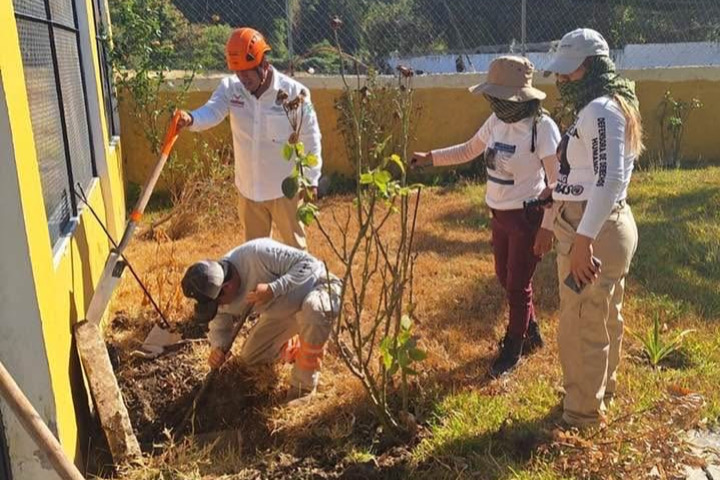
{"points": [[575, 47], [203, 282]]}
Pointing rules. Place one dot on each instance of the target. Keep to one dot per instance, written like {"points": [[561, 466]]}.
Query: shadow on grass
{"points": [[678, 256], [493, 454], [475, 309], [471, 215], [449, 247]]}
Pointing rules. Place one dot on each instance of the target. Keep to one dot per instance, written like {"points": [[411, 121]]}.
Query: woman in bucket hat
{"points": [[519, 141], [596, 233]]}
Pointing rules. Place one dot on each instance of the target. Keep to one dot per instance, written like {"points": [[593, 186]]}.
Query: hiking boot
{"points": [[533, 339], [508, 358]]}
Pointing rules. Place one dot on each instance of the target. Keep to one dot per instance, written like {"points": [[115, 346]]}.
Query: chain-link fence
{"points": [[450, 35]]}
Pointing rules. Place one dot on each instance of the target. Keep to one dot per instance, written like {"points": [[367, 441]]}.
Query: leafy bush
{"points": [[673, 117]]}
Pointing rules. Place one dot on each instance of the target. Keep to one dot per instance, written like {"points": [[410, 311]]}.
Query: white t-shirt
{"points": [[593, 163], [260, 129], [515, 173]]}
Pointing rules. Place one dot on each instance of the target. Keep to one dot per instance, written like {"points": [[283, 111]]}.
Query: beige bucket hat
{"points": [[510, 78]]}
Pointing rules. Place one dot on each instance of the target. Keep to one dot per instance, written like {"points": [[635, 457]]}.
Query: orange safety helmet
{"points": [[245, 49]]}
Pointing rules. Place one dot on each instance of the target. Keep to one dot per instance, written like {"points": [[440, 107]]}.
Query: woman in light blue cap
{"points": [[594, 226]]}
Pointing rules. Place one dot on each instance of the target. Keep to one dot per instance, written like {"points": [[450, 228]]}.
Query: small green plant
{"points": [[673, 118], [656, 346], [399, 355]]}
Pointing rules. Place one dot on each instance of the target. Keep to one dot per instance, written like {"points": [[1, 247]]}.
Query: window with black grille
{"points": [[49, 43], [112, 120]]}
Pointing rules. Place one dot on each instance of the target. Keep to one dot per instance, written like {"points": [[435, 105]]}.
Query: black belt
{"points": [[500, 180]]}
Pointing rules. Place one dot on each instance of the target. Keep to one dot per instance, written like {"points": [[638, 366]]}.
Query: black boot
{"points": [[533, 339], [509, 356]]}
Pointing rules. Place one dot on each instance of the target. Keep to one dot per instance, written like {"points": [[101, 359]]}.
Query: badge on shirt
{"points": [[237, 101], [497, 157]]}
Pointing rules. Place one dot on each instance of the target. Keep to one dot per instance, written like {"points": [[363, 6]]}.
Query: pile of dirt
{"points": [[159, 392]]}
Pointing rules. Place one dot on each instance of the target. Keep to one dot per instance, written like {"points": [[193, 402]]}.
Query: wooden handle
{"points": [[36, 428], [170, 137]]}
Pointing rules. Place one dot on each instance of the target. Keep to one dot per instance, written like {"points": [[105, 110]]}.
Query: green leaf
{"points": [[290, 187], [306, 213], [393, 370], [397, 161], [403, 359], [366, 178], [382, 176], [385, 351], [288, 151], [417, 354], [380, 147], [406, 322], [381, 179], [312, 160], [410, 371], [300, 149]]}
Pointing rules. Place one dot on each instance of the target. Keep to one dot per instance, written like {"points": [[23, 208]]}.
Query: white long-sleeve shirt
{"points": [[260, 129], [594, 164], [515, 173], [291, 274]]}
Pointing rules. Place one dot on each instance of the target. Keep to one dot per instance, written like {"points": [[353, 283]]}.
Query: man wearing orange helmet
{"points": [[260, 128]]}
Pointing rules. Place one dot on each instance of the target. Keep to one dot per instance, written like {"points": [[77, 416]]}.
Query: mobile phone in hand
{"points": [[572, 284]]}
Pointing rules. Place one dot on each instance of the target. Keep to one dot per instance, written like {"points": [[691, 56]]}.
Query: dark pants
{"points": [[513, 236]]}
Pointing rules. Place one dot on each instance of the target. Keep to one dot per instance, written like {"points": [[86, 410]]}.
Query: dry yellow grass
{"points": [[461, 314], [460, 307]]}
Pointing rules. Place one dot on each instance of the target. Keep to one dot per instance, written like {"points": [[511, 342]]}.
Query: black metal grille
{"points": [[45, 116], [62, 12], [74, 101], [58, 108], [109, 100], [35, 8]]}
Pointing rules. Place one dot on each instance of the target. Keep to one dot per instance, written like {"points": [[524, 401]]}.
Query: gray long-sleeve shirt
{"points": [[291, 274]]}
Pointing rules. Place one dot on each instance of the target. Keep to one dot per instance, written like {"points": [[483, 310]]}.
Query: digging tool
{"points": [[160, 336], [80, 193], [207, 381], [91, 346], [36, 428]]}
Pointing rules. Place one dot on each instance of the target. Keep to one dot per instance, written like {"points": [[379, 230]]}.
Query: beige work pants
{"points": [[591, 325], [313, 324], [259, 217]]}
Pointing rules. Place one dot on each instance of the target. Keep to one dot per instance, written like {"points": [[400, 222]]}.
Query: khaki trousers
{"points": [[591, 325], [313, 324], [258, 219]]}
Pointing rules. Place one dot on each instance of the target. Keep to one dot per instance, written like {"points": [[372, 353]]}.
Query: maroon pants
{"points": [[513, 236]]}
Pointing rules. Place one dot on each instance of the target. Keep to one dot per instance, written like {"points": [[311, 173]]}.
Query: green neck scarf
{"points": [[600, 79], [511, 112]]}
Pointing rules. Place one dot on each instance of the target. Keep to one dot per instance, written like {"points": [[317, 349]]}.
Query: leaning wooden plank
{"points": [[36, 428], [106, 393]]}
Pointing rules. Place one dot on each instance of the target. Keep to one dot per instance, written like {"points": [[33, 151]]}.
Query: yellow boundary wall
{"points": [[450, 114]]}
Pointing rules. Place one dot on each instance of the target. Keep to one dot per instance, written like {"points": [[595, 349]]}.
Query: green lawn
{"points": [[675, 273]]}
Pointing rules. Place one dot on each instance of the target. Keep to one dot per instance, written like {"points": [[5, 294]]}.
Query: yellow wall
{"points": [[449, 114], [64, 283]]}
